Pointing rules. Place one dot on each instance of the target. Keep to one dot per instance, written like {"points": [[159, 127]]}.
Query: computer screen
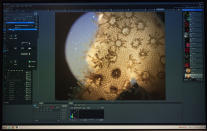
{"points": [[125, 65]]}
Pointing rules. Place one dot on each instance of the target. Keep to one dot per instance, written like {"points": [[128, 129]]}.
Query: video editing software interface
{"points": [[103, 63]]}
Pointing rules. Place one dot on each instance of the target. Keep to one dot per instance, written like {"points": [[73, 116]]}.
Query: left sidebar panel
{"points": [[20, 32]]}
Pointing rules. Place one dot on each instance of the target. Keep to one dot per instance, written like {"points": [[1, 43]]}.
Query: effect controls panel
{"points": [[20, 41], [193, 44], [20, 35], [42, 112]]}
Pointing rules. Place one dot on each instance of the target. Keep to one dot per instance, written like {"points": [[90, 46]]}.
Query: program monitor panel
{"points": [[108, 63]]}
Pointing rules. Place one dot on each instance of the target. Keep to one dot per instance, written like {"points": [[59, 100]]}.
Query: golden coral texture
{"points": [[127, 45]]}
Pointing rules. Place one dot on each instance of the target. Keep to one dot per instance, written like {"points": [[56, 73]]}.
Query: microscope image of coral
{"points": [[126, 55], [136, 43]]}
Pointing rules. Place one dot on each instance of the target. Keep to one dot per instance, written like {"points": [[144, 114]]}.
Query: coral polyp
{"points": [[126, 47]]}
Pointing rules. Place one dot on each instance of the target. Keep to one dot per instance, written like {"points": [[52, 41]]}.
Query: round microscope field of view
{"points": [[115, 48]]}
